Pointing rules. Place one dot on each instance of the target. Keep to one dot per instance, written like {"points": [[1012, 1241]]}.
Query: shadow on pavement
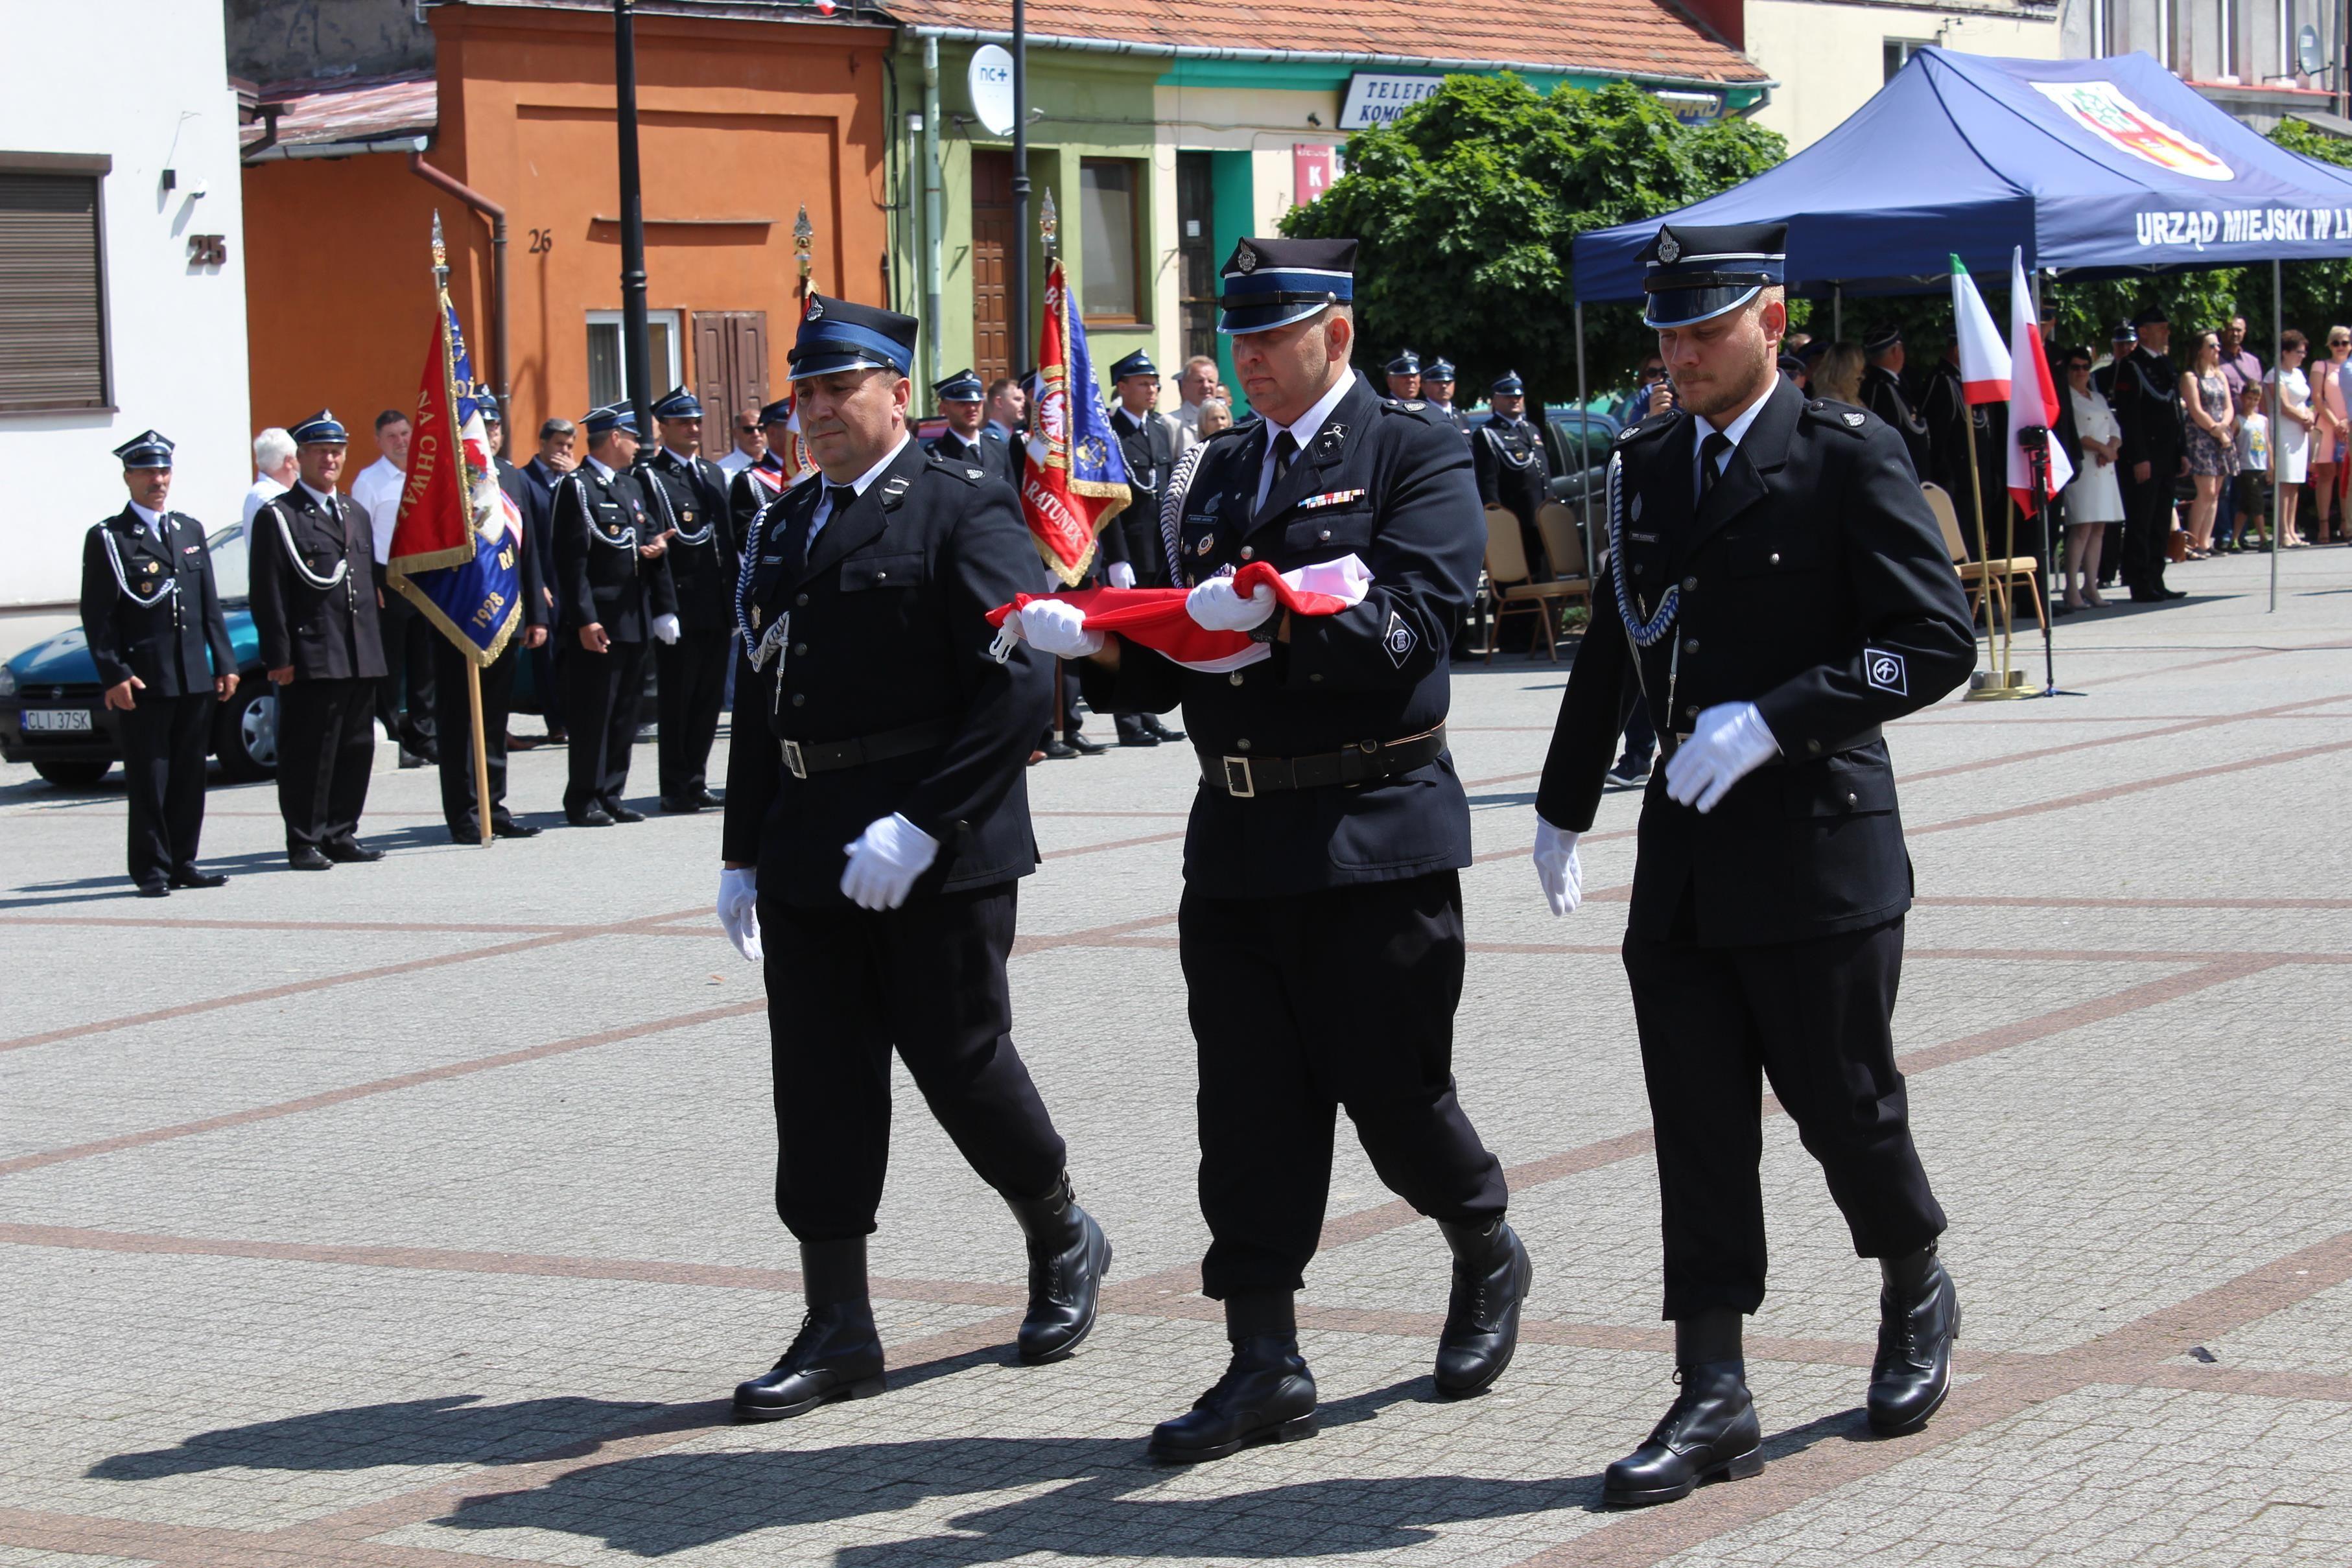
{"points": [[451, 1429]]}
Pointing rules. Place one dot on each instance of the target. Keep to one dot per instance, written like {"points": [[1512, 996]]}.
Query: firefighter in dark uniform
{"points": [[311, 573], [613, 595], [452, 706], [877, 826], [759, 483], [1148, 444], [1514, 472], [1775, 591], [961, 400], [152, 617], [688, 494], [2155, 455], [1437, 390], [1403, 374], [1964, 449], [1882, 393], [1321, 925]]}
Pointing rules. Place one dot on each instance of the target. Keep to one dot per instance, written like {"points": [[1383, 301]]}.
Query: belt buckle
{"points": [[793, 762], [1247, 789]]}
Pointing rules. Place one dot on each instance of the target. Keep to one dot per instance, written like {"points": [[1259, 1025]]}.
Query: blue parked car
{"points": [[53, 713]]}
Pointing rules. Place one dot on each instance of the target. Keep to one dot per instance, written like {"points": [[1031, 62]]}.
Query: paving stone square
{"points": [[421, 1213]]}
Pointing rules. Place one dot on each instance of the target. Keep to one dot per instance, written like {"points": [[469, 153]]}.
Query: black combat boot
{"points": [[1068, 1256], [1266, 1395], [1491, 1275], [1711, 1432], [1919, 1319], [837, 1354]]}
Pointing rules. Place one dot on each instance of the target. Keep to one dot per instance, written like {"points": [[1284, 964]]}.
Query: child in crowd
{"points": [[2252, 489]]}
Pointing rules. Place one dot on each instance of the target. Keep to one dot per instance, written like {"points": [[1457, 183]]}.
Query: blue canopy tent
{"points": [[2094, 168]]}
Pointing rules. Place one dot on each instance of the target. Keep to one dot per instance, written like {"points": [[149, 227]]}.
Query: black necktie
{"points": [[1285, 449], [1710, 460], [796, 543]]}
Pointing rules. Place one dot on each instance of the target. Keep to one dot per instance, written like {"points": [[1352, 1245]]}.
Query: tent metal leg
{"points": [[2278, 491], [1583, 432]]}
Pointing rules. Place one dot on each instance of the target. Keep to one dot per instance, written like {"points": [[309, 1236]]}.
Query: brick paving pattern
{"points": [[419, 1213]]}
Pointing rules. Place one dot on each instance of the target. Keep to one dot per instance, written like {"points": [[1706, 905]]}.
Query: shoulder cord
{"points": [[759, 648], [669, 514], [123, 580], [628, 539], [1503, 454], [1172, 506], [1645, 634], [301, 567]]}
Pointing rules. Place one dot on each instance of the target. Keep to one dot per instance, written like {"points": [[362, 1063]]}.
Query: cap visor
{"points": [[1240, 323], [1688, 306]]}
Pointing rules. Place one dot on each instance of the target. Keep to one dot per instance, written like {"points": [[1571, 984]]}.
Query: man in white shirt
{"points": [[274, 470], [750, 442], [407, 636], [1193, 384]]}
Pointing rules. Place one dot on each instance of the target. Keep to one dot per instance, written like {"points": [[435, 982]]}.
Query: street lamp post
{"points": [[1020, 348], [635, 349]]}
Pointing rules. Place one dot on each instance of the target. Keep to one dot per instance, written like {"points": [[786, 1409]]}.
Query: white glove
{"points": [[1215, 607], [1558, 867], [1729, 742], [1120, 574], [665, 628], [885, 862], [738, 909], [1058, 627]]}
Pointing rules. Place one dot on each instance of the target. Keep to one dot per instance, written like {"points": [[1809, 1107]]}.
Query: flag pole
{"points": [[473, 670]]}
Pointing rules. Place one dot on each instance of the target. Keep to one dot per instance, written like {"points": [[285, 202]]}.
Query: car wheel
{"points": [[245, 740], [72, 775]]}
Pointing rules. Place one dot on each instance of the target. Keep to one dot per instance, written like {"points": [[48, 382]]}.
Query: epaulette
{"points": [[1649, 425], [1417, 407], [957, 468], [1240, 427], [1838, 415]]}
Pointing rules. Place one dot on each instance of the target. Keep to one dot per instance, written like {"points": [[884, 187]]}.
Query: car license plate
{"points": [[56, 719]]}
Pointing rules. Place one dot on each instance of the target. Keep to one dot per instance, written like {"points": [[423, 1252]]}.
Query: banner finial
{"points": [[440, 252]]}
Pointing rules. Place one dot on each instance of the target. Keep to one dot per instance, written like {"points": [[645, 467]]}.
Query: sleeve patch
{"points": [[1886, 671], [1397, 639]]}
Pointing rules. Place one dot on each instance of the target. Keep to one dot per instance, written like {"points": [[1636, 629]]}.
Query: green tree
{"points": [[1465, 207]]}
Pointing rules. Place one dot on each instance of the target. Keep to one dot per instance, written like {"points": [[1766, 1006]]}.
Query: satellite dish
{"points": [[991, 79], [2308, 57]]}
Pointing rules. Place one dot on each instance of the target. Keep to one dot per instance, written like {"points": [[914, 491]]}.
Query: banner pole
{"points": [[481, 751]]}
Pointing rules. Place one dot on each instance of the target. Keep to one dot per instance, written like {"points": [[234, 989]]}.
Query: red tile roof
{"points": [[1648, 38], [345, 110]]}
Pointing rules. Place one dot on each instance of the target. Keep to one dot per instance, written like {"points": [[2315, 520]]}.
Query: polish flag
{"points": [[2032, 399], [1984, 359], [1155, 617]]}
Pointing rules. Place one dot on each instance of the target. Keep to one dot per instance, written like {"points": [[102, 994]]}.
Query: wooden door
{"points": [[730, 369], [992, 265], [1196, 255]]}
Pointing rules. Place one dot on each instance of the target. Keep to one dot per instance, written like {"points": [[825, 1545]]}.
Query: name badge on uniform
{"points": [[1332, 498]]}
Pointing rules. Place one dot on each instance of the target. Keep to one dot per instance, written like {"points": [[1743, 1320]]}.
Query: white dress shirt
{"points": [[823, 514], [1736, 431], [154, 521], [377, 491], [1307, 426], [735, 462], [265, 490]]}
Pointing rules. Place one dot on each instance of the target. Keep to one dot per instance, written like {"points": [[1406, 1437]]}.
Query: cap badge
{"points": [[815, 308], [1245, 258], [1669, 251], [1852, 420]]}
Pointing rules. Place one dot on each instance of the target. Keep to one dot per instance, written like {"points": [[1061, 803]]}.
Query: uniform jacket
{"points": [[887, 630], [1455, 417], [2146, 400], [748, 493], [1512, 469], [1814, 584], [994, 456], [691, 495], [538, 542], [1151, 453], [1393, 487], [1882, 393], [165, 643], [600, 578], [326, 633]]}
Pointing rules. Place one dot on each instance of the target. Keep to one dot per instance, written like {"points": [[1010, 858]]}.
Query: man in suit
{"points": [[961, 404], [751, 443], [316, 602], [404, 703], [1882, 393], [151, 614], [1148, 442], [2155, 425], [613, 595], [1330, 825], [1775, 591], [525, 518], [546, 469], [688, 492], [878, 825]]}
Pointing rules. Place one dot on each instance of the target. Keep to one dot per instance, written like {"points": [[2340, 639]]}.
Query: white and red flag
{"points": [[1156, 617], [1984, 357], [2032, 399]]}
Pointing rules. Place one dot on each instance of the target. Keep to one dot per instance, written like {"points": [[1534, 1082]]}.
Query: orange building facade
{"points": [[741, 123]]}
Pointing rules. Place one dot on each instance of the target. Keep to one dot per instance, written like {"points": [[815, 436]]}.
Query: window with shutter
{"points": [[52, 293]]}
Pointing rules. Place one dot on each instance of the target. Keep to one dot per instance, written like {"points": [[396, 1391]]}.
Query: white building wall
{"points": [[175, 330], [1830, 58]]}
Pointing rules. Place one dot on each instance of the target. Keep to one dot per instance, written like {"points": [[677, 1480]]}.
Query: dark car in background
{"points": [[1576, 440], [53, 712]]}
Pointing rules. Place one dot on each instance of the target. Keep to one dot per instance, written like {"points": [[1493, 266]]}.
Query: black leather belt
{"points": [[1245, 777], [1670, 744], [803, 757]]}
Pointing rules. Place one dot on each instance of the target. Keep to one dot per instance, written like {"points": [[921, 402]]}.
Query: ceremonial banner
{"points": [[1156, 618], [455, 546], [2032, 400], [1984, 357], [1076, 479]]}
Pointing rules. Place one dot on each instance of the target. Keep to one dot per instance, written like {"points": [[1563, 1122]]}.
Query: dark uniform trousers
{"points": [[164, 776], [405, 699], [927, 979], [600, 710], [326, 751], [457, 733], [692, 675], [1288, 1033]]}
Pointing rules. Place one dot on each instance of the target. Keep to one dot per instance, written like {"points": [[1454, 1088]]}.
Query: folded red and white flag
{"points": [[1156, 618]]}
